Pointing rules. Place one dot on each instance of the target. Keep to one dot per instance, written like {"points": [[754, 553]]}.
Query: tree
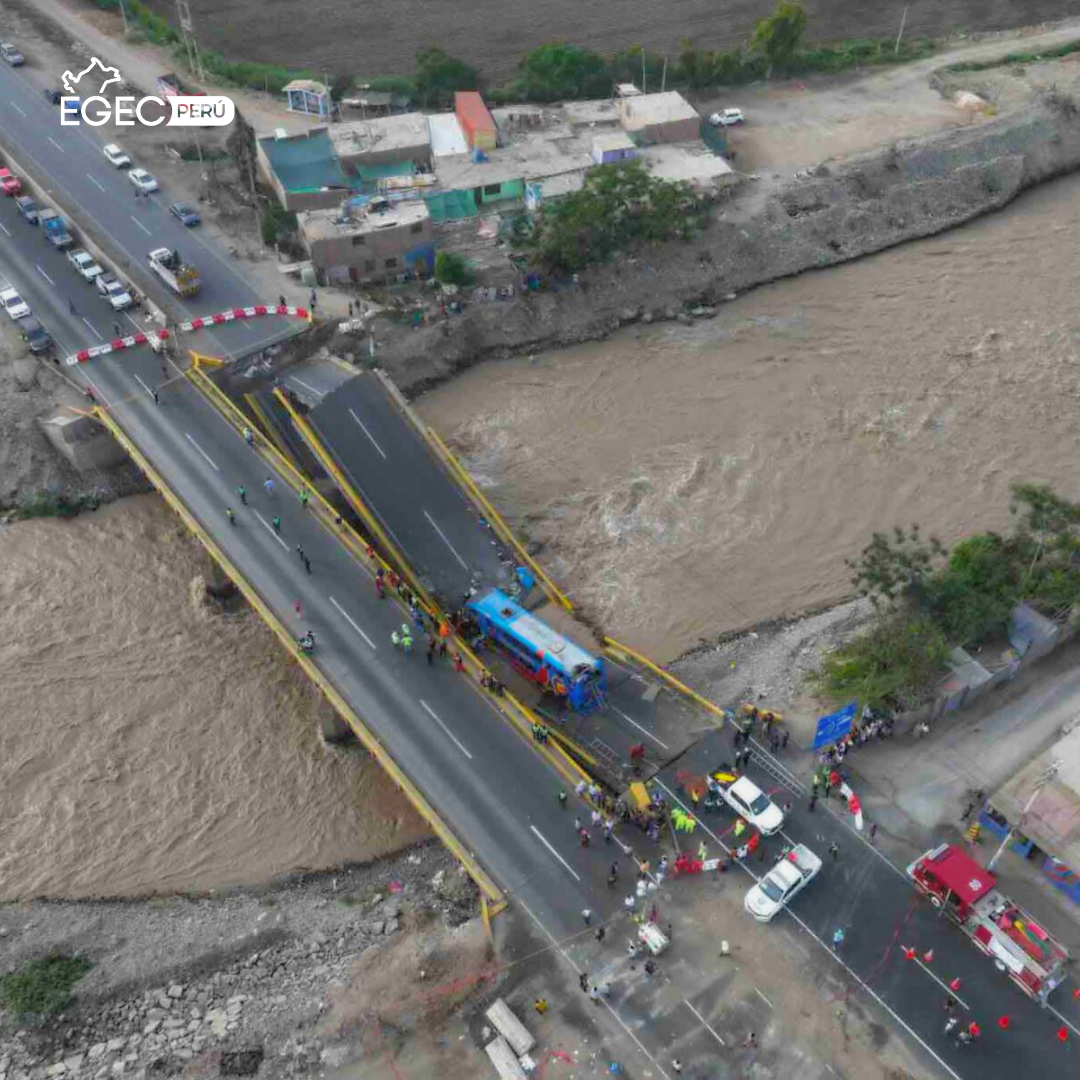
{"points": [[778, 35], [894, 567], [557, 71], [438, 75], [452, 269]]}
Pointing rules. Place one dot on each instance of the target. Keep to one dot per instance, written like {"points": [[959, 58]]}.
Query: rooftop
{"points": [[304, 162], [692, 162], [586, 113], [380, 134], [530, 158], [332, 223], [666, 108], [446, 135]]}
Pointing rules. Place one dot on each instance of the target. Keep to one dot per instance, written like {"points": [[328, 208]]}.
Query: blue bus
{"points": [[540, 653]]}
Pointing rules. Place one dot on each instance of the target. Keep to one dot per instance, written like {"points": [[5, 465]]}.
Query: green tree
{"points": [[438, 75], [558, 71], [895, 567], [452, 269], [893, 665], [779, 35]]}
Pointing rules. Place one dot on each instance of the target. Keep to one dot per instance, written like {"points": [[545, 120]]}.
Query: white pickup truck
{"points": [[747, 800], [788, 877]]}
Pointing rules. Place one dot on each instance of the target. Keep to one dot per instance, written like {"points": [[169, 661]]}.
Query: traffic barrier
{"points": [[368, 740], [200, 323]]}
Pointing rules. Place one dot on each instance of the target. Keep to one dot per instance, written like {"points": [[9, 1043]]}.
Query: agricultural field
{"points": [[345, 38]]}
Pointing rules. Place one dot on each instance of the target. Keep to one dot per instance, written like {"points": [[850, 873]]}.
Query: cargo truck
{"points": [[181, 278]]}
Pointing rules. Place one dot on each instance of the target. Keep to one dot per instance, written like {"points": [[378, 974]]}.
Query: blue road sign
{"points": [[834, 726]]}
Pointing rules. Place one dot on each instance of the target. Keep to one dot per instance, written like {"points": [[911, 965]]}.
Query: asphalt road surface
{"points": [[99, 199]]}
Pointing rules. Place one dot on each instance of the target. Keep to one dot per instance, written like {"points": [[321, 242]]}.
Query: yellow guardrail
{"points": [[617, 647], [262, 421], [461, 474], [367, 739], [521, 717]]}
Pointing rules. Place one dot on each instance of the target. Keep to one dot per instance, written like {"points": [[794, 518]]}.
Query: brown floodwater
{"points": [[686, 481], [148, 744]]}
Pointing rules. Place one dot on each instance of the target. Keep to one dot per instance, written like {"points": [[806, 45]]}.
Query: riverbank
{"points": [[844, 211]]}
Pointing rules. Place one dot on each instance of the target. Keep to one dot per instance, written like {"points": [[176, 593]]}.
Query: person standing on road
{"points": [[834, 851], [242, 492], [838, 937], [117, 329], [300, 552], [249, 436], [459, 664], [586, 914], [583, 981], [406, 640], [303, 498], [395, 639], [380, 583], [230, 515], [562, 799], [431, 651], [307, 564], [276, 522], [268, 483], [813, 802]]}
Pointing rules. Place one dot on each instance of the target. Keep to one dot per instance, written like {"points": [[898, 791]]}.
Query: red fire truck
{"points": [[967, 893]]}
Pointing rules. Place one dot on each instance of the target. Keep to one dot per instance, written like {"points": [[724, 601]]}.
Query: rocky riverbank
{"points": [[842, 211], [220, 984]]}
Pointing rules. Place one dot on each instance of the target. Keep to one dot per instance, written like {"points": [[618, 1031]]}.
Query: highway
{"points": [[100, 200]]}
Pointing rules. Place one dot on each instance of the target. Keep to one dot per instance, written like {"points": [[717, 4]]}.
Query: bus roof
{"points": [[498, 607]]}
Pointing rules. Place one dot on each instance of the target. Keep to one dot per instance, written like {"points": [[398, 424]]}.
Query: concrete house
{"points": [[370, 240], [302, 169], [382, 141], [659, 118]]}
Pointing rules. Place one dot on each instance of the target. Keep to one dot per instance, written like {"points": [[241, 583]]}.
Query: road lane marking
{"points": [[351, 623], [827, 948], [55, 143], [306, 386], [140, 224], [44, 275], [364, 429], [646, 731], [95, 183], [143, 385], [763, 997], [93, 329], [201, 450], [1075, 1029], [948, 989], [704, 1022], [275, 535], [543, 840], [603, 1001], [4, 227], [16, 108], [464, 564], [431, 713]]}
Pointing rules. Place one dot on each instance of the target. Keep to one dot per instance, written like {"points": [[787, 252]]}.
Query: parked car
{"points": [[748, 801], [727, 117], [83, 261], [28, 208], [13, 303], [142, 180], [34, 334], [10, 184], [773, 892], [114, 292], [186, 213], [53, 96], [11, 54], [117, 156]]}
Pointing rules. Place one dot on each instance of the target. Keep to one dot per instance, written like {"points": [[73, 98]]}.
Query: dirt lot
{"points": [[493, 34]]}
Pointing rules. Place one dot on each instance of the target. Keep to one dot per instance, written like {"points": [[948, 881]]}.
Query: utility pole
{"points": [[191, 46], [643, 71], [663, 78], [123, 15], [1045, 777], [903, 19]]}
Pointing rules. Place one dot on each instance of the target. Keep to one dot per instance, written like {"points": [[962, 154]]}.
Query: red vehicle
{"points": [[967, 893], [9, 182]]}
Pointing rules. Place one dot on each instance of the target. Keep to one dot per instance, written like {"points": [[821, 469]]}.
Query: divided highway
{"points": [[101, 200]]}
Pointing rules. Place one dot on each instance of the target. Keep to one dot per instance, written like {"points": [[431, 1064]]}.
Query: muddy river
{"points": [[148, 744], [686, 481]]}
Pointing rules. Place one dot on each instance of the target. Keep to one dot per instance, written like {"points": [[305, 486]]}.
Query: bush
{"points": [[452, 269], [438, 75], [42, 988], [556, 72], [278, 224]]}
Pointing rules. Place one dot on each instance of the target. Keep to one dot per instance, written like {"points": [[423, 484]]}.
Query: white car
{"points": [[772, 893], [142, 180], [114, 292], [14, 304], [727, 118], [83, 262], [751, 803], [117, 156]]}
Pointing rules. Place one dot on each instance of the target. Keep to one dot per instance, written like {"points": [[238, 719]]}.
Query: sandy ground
{"points": [[494, 34], [149, 744]]}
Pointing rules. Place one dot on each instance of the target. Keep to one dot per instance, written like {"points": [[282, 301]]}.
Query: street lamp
{"points": [[1045, 777]]}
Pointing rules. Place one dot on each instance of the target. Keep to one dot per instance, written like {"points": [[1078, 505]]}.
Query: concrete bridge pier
{"points": [[218, 584], [333, 730]]}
